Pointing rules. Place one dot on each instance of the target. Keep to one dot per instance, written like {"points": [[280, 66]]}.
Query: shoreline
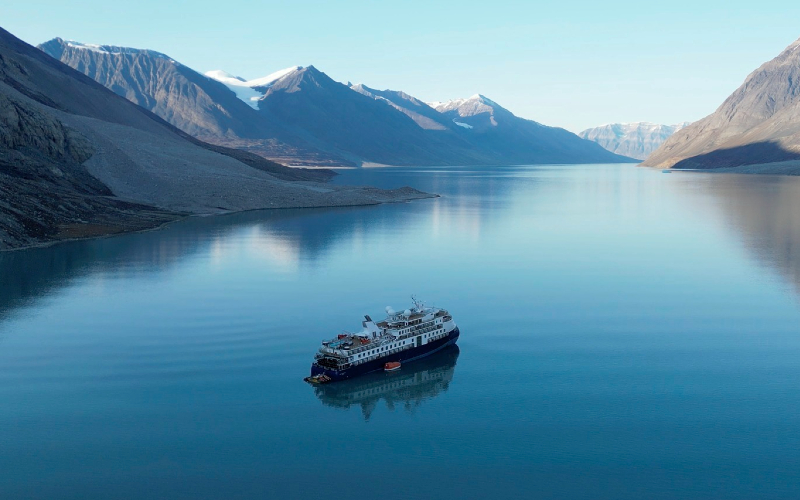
{"points": [[416, 195], [789, 168]]}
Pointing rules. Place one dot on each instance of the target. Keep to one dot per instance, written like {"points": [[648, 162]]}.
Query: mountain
{"points": [[330, 115], [759, 124], [513, 140], [300, 115], [218, 112], [635, 140], [78, 160]]}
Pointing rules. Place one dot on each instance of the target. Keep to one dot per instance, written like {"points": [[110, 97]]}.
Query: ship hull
{"points": [[406, 356]]}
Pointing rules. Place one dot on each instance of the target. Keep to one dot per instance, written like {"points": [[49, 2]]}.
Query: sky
{"points": [[572, 64]]}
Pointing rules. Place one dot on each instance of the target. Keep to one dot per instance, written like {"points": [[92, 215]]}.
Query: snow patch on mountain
{"points": [[246, 89], [225, 77], [238, 86]]}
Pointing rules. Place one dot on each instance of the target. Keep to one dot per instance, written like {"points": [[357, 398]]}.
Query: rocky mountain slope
{"points": [[423, 115], [759, 124], [78, 160], [301, 116], [635, 140]]}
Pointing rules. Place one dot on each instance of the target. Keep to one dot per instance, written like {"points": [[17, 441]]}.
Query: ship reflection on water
{"points": [[410, 387]]}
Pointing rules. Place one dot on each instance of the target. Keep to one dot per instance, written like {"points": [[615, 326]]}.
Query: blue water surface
{"points": [[625, 334]]}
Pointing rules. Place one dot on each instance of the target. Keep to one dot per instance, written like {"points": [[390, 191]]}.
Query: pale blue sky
{"points": [[573, 64]]}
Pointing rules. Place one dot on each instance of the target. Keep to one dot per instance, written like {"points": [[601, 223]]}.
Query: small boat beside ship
{"points": [[318, 379], [385, 345]]}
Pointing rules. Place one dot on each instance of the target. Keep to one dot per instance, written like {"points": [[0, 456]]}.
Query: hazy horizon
{"points": [[576, 65]]}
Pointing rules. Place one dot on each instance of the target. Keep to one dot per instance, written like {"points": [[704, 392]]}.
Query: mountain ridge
{"points": [[304, 116]]}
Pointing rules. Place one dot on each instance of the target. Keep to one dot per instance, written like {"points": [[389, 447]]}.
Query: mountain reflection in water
{"points": [[762, 211], [415, 383], [286, 238]]}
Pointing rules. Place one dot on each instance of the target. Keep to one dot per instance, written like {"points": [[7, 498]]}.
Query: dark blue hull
{"points": [[378, 364]]}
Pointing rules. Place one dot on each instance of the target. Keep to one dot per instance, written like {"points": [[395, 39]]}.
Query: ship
{"points": [[402, 337], [408, 389]]}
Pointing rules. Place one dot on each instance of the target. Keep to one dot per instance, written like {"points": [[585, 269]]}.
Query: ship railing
{"points": [[329, 350], [395, 350], [343, 353], [426, 328], [348, 352], [368, 348], [376, 356], [390, 352], [415, 330]]}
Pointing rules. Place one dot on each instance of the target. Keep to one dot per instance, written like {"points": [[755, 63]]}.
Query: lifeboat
{"points": [[391, 366], [318, 379]]}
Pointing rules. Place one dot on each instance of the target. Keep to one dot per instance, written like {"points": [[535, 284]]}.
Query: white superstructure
{"points": [[414, 328]]}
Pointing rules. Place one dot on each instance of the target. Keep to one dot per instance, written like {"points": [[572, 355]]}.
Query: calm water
{"points": [[626, 334]]}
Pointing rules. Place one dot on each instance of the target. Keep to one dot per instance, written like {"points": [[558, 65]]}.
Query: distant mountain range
{"points": [[635, 140], [301, 116], [77, 160], [756, 129]]}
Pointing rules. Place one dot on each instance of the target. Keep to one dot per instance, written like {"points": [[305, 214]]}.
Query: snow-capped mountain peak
{"points": [[272, 77], [471, 106], [454, 103], [483, 99]]}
